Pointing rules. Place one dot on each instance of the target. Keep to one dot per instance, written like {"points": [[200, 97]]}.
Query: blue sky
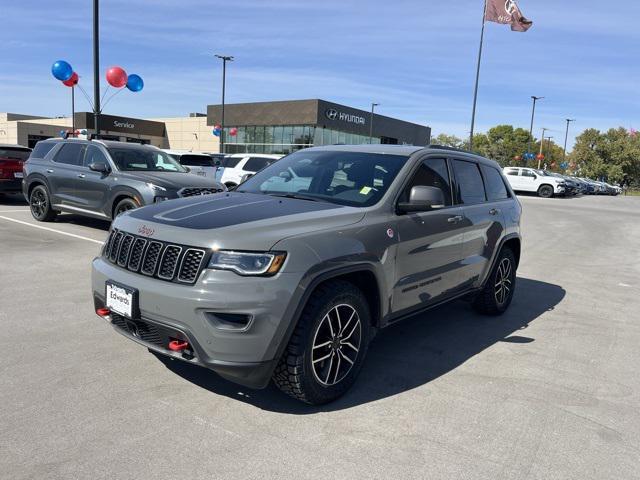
{"points": [[415, 58]]}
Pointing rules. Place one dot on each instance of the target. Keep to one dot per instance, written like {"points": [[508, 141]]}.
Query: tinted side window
{"points": [[469, 180], [496, 190], [70, 153], [94, 155], [513, 172], [256, 163], [431, 173], [231, 162], [196, 161], [528, 173], [42, 148]]}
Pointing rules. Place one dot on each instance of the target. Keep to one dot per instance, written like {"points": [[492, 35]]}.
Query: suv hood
{"points": [[170, 180], [242, 221]]}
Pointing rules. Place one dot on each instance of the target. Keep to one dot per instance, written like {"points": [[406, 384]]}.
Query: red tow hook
{"points": [[103, 312], [178, 346]]}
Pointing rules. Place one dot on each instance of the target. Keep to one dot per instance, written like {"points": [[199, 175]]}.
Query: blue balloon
{"points": [[62, 133], [135, 83], [216, 132], [61, 70]]}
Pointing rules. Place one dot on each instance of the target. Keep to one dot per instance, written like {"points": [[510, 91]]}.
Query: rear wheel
{"points": [[40, 204], [124, 205], [545, 191], [495, 297], [327, 349]]}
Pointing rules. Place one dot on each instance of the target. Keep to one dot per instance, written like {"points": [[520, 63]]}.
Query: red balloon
{"points": [[233, 132], [117, 77], [73, 80], [540, 156], [217, 127], [517, 157]]}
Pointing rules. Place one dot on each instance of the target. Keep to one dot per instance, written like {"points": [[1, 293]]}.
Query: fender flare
{"points": [[504, 240]]}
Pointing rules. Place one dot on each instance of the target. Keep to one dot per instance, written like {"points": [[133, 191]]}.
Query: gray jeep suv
{"points": [[289, 276], [102, 179]]}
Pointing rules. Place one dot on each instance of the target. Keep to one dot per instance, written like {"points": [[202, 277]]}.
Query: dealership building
{"points": [[264, 127]]}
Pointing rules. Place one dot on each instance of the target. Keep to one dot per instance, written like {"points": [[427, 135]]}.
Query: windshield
{"points": [[16, 153], [144, 159], [346, 178]]}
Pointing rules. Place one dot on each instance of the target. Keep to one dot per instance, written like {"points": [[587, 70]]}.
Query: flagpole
{"points": [[475, 90]]}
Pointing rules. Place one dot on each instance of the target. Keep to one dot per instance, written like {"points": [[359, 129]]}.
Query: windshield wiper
{"points": [[294, 195]]}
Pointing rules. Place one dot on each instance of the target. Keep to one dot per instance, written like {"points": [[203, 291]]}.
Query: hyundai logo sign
{"points": [[333, 114]]}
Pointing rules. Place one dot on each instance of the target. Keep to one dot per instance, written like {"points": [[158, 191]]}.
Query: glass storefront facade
{"points": [[284, 139]]}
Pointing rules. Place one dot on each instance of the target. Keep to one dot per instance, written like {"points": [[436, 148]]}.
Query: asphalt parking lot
{"points": [[550, 390]]}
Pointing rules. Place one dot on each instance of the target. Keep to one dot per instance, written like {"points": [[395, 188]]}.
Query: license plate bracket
{"points": [[122, 299]]}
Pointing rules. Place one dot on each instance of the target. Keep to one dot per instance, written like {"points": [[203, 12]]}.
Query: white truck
{"points": [[524, 179]]}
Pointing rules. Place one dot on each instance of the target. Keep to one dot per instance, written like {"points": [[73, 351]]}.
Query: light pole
{"points": [[533, 112], [373, 105], [548, 146], [566, 134], [96, 67], [225, 59], [541, 144]]}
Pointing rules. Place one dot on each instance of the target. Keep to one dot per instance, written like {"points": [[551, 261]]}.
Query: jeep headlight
{"points": [[248, 263]]}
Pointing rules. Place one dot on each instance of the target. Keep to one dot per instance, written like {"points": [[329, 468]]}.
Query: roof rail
{"points": [[453, 149]]}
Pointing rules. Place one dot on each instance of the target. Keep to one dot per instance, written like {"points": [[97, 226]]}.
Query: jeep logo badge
{"points": [[331, 113], [145, 231]]}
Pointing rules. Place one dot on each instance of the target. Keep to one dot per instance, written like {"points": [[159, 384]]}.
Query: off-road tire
{"points": [[486, 302], [545, 191], [40, 204], [293, 374]]}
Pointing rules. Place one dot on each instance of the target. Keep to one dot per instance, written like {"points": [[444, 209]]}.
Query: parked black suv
{"points": [[101, 178]]}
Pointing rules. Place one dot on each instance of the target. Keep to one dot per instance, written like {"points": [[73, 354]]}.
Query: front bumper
{"points": [[10, 185], [248, 356]]}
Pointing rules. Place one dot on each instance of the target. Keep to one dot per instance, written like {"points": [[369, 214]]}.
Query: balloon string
{"points": [[104, 94], [85, 95], [109, 99]]}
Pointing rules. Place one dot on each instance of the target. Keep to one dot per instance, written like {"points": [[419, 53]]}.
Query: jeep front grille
{"points": [[162, 260]]}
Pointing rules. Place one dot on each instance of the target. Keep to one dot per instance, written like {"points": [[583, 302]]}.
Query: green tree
{"points": [[447, 140]]}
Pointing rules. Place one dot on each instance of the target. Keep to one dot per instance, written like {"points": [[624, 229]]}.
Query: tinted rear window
{"points": [[70, 154], [14, 153], [196, 160], [494, 185], [231, 162], [469, 180], [42, 148], [256, 163]]}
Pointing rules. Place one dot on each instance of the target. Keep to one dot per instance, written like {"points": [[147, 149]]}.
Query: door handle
{"points": [[494, 211], [455, 219], [81, 175], [49, 170]]}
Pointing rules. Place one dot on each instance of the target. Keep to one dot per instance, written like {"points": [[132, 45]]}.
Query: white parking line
{"points": [[52, 230], [13, 211]]}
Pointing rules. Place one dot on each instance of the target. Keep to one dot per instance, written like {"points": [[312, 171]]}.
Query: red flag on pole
{"points": [[508, 13]]}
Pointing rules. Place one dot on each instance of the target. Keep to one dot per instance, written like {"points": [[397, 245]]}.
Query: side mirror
{"points": [[535, 176], [422, 198], [187, 168], [99, 167], [245, 177], [217, 162]]}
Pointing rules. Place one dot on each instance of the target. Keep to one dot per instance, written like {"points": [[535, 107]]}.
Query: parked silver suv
{"points": [[289, 276], [102, 179]]}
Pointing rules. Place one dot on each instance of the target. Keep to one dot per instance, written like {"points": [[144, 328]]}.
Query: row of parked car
{"points": [[548, 184]]}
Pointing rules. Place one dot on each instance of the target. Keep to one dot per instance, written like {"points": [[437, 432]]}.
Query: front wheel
{"points": [[545, 191], [327, 349], [40, 204], [124, 205], [495, 297]]}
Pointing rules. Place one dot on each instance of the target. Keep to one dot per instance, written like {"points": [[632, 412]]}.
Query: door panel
{"points": [[92, 188], [429, 257], [63, 172], [484, 227]]}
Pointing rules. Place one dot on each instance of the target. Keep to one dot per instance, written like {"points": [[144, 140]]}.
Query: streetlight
{"points": [[544, 129], [373, 105], [96, 67], [225, 59], [566, 134], [533, 112], [548, 145]]}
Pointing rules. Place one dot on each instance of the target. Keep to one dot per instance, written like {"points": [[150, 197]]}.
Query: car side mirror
{"points": [[187, 168], [99, 167], [535, 176], [422, 198], [245, 177]]}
